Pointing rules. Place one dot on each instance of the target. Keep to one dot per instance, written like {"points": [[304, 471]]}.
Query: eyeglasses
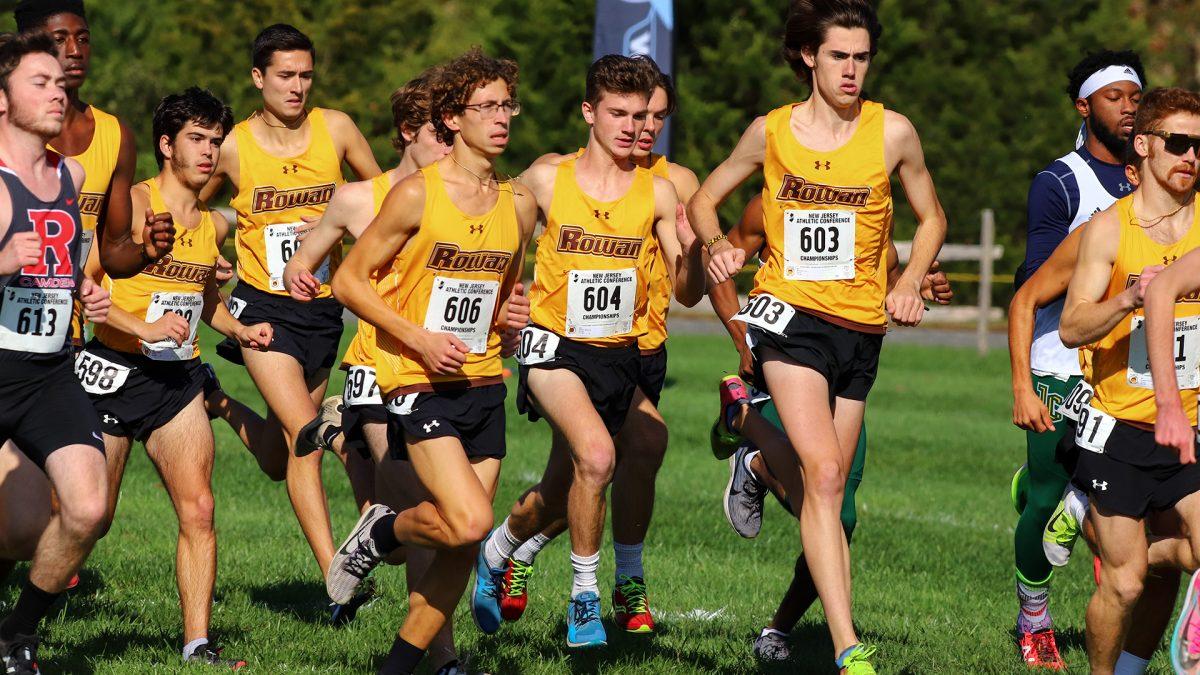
{"points": [[1176, 143], [488, 110]]}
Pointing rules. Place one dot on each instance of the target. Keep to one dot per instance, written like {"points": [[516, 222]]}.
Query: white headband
{"points": [[1106, 76]]}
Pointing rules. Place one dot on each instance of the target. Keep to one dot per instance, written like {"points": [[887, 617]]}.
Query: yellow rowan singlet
{"points": [[174, 284], [361, 350], [273, 194], [828, 220], [448, 278], [659, 299], [1120, 367], [593, 264]]}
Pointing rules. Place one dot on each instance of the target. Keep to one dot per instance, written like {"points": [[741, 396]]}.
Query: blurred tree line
{"points": [[982, 80]]}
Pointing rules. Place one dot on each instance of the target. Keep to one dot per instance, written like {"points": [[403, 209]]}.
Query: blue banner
{"points": [[632, 27]]}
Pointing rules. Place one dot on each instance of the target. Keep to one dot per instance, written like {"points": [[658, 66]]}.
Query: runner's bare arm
{"points": [[749, 236], [216, 314], [343, 209], [119, 254], [1171, 427], [1086, 318], [901, 142], [514, 315], [353, 146], [677, 242]]}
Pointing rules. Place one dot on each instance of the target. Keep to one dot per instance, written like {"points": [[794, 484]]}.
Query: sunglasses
{"points": [[1178, 144]]}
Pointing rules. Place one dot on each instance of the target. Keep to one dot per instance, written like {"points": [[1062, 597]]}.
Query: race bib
{"points": [[463, 308], [537, 346], [281, 242], [35, 320], [402, 405], [600, 302], [360, 387], [235, 306], [1079, 397], [818, 245], [99, 376], [1187, 354], [187, 305], [85, 246], [767, 312], [1093, 429]]}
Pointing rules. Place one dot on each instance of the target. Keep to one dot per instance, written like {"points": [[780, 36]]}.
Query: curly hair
{"points": [[458, 79], [809, 20], [1098, 60], [410, 106]]}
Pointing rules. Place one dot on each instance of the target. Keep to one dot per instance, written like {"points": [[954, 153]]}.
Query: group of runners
{"points": [[105, 282]]}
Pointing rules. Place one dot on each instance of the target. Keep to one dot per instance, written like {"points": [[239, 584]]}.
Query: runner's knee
{"points": [[824, 480], [196, 513], [595, 461]]}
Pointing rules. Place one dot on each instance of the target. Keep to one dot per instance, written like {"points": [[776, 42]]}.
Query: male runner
{"points": [[1128, 476], [1105, 88], [142, 369], [452, 238], [642, 441], [589, 307], [44, 412], [98, 141], [285, 162], [820, 297]]}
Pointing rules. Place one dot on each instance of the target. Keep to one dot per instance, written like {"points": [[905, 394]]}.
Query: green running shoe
{"points": [[1020, 488], [856, 663], [1058, 539]]}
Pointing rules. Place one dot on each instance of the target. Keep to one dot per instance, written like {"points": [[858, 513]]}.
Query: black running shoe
{"points": [[210, 654], [319, 433], [19, 655], [342, 615]]}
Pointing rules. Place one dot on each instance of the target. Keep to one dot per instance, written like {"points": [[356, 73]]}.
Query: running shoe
{"points": [[584, 628], [772, 646], [1019, 490], [73, 583], [856, 662], [356, 557], [744, 496], [733, 393], [1185, 640], [514, 592], [631, 605], [19, 655], [1039, 650], [319, 433], [485, 599], [210, 655], [342, 615], [1062, 530]]}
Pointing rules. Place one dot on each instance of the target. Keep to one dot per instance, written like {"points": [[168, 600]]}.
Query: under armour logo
{"points": [[109, 419], [186, 240], [600, 214], [295, 168], [1099, 485], [1168, 262], [817, 165], [1126, 187], [476, 229], [431, 426]]}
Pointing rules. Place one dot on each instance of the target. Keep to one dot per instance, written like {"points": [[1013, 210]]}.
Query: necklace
{"points": [[1144, 224], [482, 181], [262, 118]]}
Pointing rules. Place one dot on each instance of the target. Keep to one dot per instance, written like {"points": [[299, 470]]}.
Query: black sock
{"points": [[330, 435], [31, 607], [384, 534], [403, 658]]}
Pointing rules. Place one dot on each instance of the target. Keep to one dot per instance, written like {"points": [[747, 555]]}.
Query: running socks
{"points": [[191, 647], [528, 551], [403, 658], [629, 560], [585, 567], [499, 546], [383, 532], [1035, 605], [32, 606]]}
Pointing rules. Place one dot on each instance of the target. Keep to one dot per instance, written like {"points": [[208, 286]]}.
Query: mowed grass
{"points": [[932, 556]]}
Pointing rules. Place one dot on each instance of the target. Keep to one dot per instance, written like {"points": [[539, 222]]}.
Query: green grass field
{"points": [[932, 555]]}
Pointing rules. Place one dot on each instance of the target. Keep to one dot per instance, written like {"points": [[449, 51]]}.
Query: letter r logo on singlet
{"points": [[57, 229]]}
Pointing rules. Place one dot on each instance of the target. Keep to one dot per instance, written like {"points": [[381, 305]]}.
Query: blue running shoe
{"points": [[485, 600], [584, 628]]}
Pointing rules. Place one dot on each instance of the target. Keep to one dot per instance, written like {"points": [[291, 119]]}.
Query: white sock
{"points": [[747, 458], [528, 551], [585, 567], [629, 560], [499, 546], [771, 631], [1128, 664], [191, 647]]}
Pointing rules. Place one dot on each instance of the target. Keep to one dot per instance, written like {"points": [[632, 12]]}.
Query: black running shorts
{"points": [[362, 404], [1135, 475], [309, 332], [848, 359], [652, 374], [43, 408], [475, 416]]}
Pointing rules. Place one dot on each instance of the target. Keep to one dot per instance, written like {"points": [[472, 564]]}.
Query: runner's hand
{"points": [[1030, 414], [683, 230], [158, 235], [257, 337], [442, 353], [904, 304], [1138, 290], [309, 223], [510, 341], [170, 326], [936, 287], [96, 301], [224, 270], [299, 282], [22, 249], [745, 364], [1172, 430], [518, 308], [725, 260]]}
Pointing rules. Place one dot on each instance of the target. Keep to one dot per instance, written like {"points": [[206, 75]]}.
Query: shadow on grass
{"points": [[302, 600]]}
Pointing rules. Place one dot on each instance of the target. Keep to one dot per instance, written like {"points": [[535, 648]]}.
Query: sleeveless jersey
{"points": [[36, 301], [828, 221], [448, 278], [361, 350], [174, 284], [1120, 367], [593, 262], [1047, 354], [99, 162], [273, 194], [659, 300]]}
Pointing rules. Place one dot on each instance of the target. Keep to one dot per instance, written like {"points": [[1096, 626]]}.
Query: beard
{"points": [[186, 173], [1110, 139], [25, 119]]}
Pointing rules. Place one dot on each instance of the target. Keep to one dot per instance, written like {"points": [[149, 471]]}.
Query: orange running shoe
{"points": [[1039, 650], [631, 606]]}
